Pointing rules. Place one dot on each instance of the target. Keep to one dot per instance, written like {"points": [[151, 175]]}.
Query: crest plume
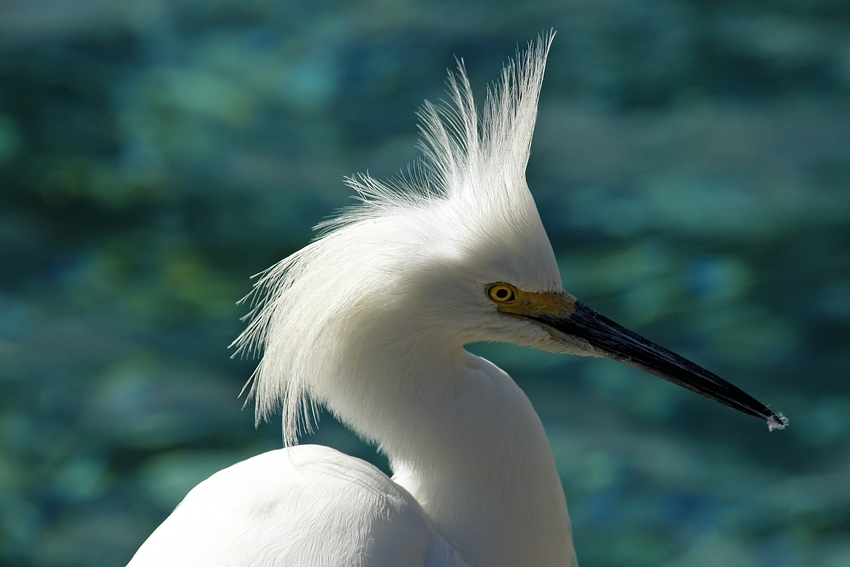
{"points": [[475, 161]]}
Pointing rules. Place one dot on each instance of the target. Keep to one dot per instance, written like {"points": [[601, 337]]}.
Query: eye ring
{"points": [[501, 292]]}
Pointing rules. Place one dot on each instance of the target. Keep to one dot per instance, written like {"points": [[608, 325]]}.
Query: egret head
{"points": [[452, 253]]}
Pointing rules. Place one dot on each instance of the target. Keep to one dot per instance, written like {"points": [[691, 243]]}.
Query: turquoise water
{"points": [[691, 164]]}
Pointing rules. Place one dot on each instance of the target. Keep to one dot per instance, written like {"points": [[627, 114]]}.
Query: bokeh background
{"points": [[691, 164]]}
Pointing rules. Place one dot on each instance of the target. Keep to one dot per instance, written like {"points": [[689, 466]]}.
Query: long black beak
{"points": [[614, 341]]}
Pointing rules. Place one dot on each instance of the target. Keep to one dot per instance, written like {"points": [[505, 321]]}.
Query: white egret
{"points": [[370, 320]]}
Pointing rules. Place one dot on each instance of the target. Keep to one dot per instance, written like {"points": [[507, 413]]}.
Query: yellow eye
{"points": [[501, 292]]}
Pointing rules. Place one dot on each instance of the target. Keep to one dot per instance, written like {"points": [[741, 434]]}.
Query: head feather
{"points": [[467, 191]]}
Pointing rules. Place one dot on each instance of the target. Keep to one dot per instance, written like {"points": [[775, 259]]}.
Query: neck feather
{"points": [[465, 441]]}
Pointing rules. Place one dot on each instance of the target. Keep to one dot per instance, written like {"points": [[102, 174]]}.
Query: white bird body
{"points": [[370, 320], [306, 505], [311, 505]]}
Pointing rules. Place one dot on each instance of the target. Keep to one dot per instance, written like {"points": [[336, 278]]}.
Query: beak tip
{"points": [[777, 421]]}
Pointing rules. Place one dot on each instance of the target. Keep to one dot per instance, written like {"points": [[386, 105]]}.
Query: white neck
{"points": [[464, 440]]}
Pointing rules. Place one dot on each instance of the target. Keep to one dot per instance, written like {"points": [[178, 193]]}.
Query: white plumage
{"points": [[307, 505], [370, 321]]}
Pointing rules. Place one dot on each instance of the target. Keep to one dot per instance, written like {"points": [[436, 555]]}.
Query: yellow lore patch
{"points": [[514, 301]]}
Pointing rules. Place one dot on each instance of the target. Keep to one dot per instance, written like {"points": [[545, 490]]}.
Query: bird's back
{"points": [[306, 506]]}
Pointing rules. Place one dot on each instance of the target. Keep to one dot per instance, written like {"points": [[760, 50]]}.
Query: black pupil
{"points": [[501, 293]]}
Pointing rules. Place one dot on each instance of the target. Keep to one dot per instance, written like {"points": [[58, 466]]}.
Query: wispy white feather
{"points": [[468, 193]]}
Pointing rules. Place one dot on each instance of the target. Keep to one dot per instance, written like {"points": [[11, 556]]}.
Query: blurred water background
{"points": [[691, 164]]}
